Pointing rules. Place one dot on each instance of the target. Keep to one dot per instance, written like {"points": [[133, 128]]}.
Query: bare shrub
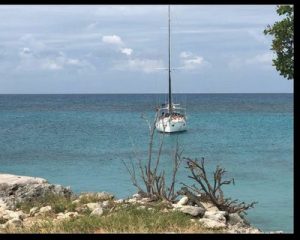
{"points": [[213, 191], [154, 181]]}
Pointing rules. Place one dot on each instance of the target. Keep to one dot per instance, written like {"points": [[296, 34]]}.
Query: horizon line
{"points": [[146, 93]]}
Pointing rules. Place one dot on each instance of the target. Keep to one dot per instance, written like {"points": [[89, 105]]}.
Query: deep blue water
{"points": [[81, 140]]}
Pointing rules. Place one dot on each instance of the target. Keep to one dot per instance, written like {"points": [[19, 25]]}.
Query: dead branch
{"points": [[214, 192]]}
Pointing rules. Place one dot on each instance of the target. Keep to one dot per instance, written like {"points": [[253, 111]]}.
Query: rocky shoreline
{"points": [[15, 190]]}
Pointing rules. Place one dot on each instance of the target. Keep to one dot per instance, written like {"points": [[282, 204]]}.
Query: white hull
{"points": [[169, 125]]}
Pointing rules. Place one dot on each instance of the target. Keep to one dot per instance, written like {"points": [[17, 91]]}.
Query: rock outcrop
{"points": [[210, 217], [97, 212], [193, 211], [15, 189]]}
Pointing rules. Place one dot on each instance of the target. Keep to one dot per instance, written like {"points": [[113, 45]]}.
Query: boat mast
{"points": [[170, 93]]}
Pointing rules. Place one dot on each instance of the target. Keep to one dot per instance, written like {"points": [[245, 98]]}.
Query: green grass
{"points": [[58, 203], [88, 199], [117, 218], [92, 198], [124, 220]]}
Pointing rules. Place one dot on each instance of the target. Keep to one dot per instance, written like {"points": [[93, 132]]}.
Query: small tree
{"points": [[212, 191], [283, 42]]}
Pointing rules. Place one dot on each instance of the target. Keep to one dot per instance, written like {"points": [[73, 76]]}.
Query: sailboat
{"points": [[170, 116]]}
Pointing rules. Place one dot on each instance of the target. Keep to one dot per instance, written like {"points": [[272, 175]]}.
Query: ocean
{"points": [[83, 140]]}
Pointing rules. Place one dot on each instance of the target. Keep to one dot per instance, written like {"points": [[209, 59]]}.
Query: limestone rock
{"points": [[209, 206], [97, 212], [9, 215], [236, 219], [165, 210], [119, 201], [44, 211], [2, 227], [16, 189], [213, 224], [183, 201], [132, 200], [1, 215], [102, 196], [105, 204], [71, 214], [67, 215], [137, 196], [176, 206], [93, 206], [239, 229], [3, 205], [81, 208], [13, 223], [145, 200], [33, 211], [76, 201], [20, 180], [219, 216], [254, 230], [60, 216], [191, 210]]}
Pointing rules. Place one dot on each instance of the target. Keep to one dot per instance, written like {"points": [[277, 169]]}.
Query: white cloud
{"points": [[25, 52], [30, 41], [127, 51], [72, 61], [146, 65], [191, 61], [32, 62], [92, 26], [62, 62], [185, 54], [112, 39], [51, 64], [132, 63], [137, 64], [262, 60], [205, 30], [132, 10]]}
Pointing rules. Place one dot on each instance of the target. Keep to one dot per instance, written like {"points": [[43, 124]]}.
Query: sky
{"points": [[124, 49]]}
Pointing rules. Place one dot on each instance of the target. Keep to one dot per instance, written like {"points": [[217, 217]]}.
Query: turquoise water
{"points": [[81, 140]]}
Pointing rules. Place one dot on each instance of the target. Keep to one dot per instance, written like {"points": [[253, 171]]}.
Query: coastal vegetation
{"points": [[102, 213], [131, 218]]}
